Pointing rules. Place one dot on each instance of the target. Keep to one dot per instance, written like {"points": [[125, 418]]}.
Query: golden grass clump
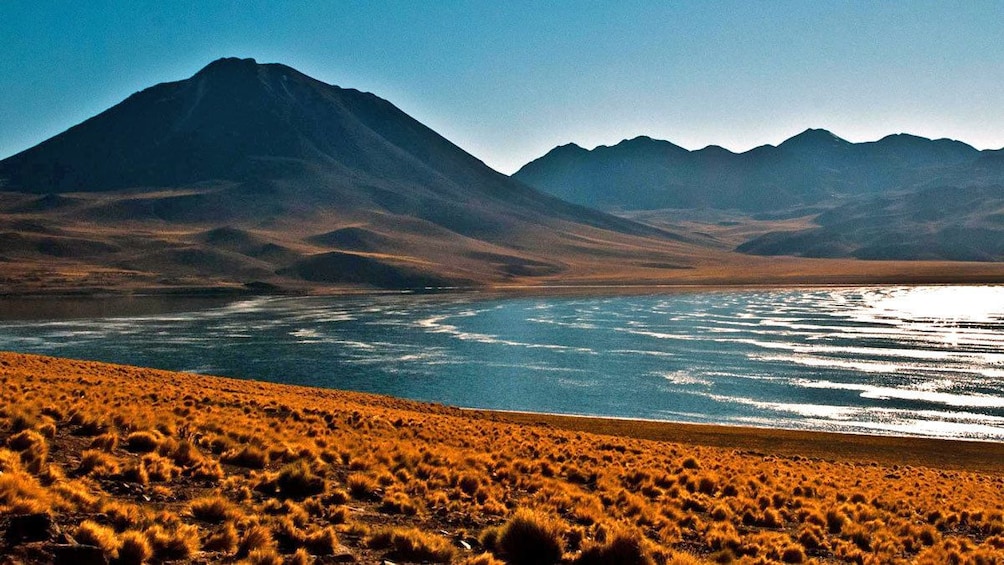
{"points": [[249, 456], [298, 481], [134, 548], [257, 537], [92, 533], [223, 540], [21, 493], [214, 509], [412, 544], [178, 542], [143, 441], [531, 538], [620, 549]]}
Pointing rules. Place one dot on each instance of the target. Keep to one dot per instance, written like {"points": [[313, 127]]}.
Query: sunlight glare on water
{"points": [[939, 303]]}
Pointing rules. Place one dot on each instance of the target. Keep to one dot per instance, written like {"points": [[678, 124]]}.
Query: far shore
{"points": [[28, 280]]}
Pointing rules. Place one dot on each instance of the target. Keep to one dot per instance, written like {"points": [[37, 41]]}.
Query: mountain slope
{"points": [[811, 168], [943, 223], [279, 161]]}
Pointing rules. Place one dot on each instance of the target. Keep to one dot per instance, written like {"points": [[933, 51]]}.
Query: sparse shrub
{"points": [[135, 548], [180, 542], [300, 557], [21, 420], [249, 456], [143, 442], [122, 515], [136, 473], [362, 487], [21, 493], [793, 554], [256, 538], [97, 463], [621, 549], [263, 557], [47, 429], [92, 533], [33, 449], [105, 442], [224, 540], [707, 485], [296, 480], [483, 559], [811, 537], [531, 538], [411, 544], [88, 425], [159, 468], [323, 541], [489, 537], [213, 509], [835, 521], [397, 502], [691, 463]]}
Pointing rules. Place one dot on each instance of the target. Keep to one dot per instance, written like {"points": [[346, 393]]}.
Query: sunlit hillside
{"points": [[110, 463]]}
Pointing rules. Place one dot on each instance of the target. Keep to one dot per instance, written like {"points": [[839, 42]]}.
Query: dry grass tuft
{"points": [[298, 481], [180, 542], [257, 537], [214, 509], [143, 441], [621, 549], [412, 544], [531, 538], [92, 533], [249, 456], [134, 549]]}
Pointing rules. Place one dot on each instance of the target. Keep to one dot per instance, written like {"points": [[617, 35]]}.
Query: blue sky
{"points": [[507, 81]]}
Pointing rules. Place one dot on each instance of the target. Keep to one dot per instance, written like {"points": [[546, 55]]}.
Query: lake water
{"points": [[910, 360]]}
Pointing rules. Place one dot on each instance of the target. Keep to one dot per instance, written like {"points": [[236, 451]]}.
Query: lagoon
{"points": [[910, 360]]}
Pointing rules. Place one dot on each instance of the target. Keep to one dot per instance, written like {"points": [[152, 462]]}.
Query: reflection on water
{"points": [[904, 360]]}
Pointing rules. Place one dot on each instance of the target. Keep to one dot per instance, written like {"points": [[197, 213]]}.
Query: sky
{"points": [[508, 81]]}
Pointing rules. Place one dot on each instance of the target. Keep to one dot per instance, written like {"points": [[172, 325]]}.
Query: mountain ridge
{"points": [[809, 168]]}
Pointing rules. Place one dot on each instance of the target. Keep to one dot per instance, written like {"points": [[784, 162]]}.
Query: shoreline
{"points": [[984, 456]]}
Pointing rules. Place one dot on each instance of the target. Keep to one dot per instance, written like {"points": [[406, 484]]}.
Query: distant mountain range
{"points": [[877, 196], [810, 168], [251, 172]]}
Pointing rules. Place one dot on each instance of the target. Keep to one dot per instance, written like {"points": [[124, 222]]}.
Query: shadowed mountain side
{"points": [[811, 168], [945, 223], [352, 238], [349, 268]]}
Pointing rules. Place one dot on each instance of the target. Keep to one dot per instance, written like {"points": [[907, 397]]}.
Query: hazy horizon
{"points": [[509, 84]]}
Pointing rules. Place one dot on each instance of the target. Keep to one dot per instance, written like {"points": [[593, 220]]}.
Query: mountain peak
{"points": [[646, 143], [814, 137], [229, 63]]}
